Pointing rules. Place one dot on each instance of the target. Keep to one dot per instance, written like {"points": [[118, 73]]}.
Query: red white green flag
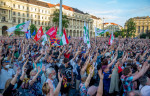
{"points": [[64, 39], [111, 39]]}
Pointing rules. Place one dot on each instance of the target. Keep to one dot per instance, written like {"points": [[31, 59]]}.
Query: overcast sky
{"points": [[116, 11]]}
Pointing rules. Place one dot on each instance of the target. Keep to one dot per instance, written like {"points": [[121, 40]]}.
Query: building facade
{"points": [[142, 24], [97, 22], [13, 12], [113, 27]]}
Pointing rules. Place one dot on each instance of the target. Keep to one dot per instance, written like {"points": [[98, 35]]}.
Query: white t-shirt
{"points": [[145, 90], [4, 76]]}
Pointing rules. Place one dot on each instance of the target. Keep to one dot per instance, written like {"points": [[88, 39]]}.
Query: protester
{"points": [[74, 69]]}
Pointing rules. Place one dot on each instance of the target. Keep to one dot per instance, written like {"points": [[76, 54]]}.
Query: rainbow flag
{"points": [[52, 40]]}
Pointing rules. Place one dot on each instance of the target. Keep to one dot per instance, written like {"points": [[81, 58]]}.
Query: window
{"points": [[23, 14], [31, 8], [22, 7], [35, 9], [14, 5], [14, 20], [31, 21], [35, 22], [19, 6], [39, 22], [142, 29], [14, 13], [35, 16], [27, 15], [42, 23], [42, 11], [45, 23], [18, 20], [23, 20], [39, 17], [45, 11], [42, 17], [31, 15], [27, 8], [138, 29], [18, 13], [147, 29], [3, 18]]}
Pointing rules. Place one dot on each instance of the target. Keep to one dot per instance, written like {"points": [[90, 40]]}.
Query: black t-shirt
{"points": [[68, 71], [10, 92]]}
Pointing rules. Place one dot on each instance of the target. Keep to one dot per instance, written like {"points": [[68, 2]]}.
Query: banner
{"points": [[99, 32]]}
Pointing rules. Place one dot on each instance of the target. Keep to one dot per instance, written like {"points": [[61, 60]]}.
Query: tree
{"points": [[65, 21], [18, 33], [32, 28], [47, 28], [107, 34], [131, 29]]}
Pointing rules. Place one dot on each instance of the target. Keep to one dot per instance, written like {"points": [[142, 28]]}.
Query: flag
{"points": [[88, 37], [84, 33], [39, 34], [69, 37], [52, 32], [44, 39], [34, 33], [99, 32], [20, 27], [11, 34], [111, 39], [28, 34], [64, 39], [53, 40]]}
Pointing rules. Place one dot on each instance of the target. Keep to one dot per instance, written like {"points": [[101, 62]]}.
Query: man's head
{"points": [[144, 80], [127, 71], [66, 61], [5, 64], [51, 74]]}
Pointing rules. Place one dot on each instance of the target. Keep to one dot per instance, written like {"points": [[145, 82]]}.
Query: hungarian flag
{"points": [[111, 39], [64, 39], [52, 32], [39, 34], [20, 27]]}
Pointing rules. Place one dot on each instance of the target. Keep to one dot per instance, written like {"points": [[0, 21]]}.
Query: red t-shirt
{"points": [[67, 55], [119, 69]]}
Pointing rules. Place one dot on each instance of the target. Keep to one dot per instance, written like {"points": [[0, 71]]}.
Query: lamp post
{"points": [[60, 18]]}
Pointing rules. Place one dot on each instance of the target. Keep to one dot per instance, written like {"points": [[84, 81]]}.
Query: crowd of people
{"points": [[28, 68]]}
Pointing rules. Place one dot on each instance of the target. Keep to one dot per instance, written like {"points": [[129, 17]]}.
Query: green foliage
{"points": [[107, 33], [131, 29], [120, 33], [143, 35], [65, 21], [18, 33], [47, 28], [32, 28]]}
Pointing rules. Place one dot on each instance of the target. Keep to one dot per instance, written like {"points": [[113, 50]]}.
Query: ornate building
{"points": [[97, 22], [142, 24], [13, 12], [113, 27]]}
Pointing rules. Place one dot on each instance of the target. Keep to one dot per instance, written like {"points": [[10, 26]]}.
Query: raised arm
{"points": [[57, 90], [100, 87], [86, 64], [142, 71], [87, 82], [35, 77]]}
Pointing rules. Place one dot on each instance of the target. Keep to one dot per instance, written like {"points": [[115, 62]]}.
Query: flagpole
{"points": [[60, 18], [95, 35]]}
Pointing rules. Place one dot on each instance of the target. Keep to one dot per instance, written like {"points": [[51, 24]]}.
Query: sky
{"points": [[116, 11]]}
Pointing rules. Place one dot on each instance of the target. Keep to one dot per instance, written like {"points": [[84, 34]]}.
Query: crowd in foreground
{"points": [[27, 68]]}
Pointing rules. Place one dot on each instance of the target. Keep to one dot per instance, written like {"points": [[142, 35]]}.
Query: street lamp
{"points": [[60, 18]]}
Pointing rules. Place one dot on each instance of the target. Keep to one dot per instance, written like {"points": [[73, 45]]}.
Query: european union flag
{"points": [[34, 33]]}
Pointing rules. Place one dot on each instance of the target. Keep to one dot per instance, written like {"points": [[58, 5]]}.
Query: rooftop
{"points": [[144, 17]]}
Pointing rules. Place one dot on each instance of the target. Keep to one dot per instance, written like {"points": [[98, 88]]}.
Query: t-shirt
{"points": [[127, 84], [145, 90], [78, 77], [67, 55], [106, 81], [4, 76], [68, 74]]}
